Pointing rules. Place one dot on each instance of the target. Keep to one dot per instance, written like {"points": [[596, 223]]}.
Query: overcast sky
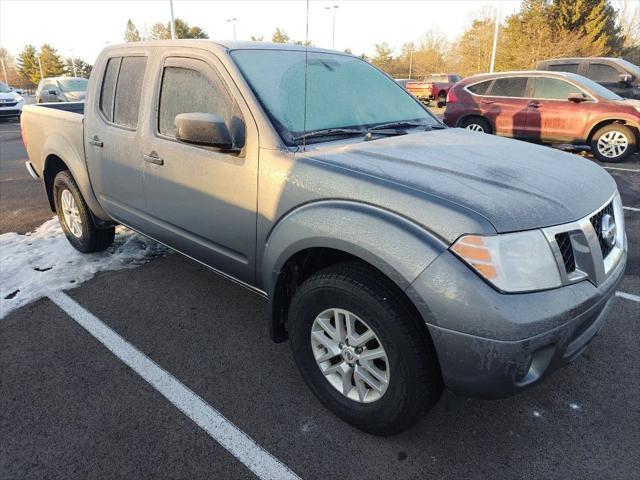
{"points": [[84, 27]]}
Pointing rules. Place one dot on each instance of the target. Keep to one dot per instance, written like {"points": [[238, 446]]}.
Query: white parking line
{"points": [[628, 296], [632, 209], [238, 443], [622, 169]]}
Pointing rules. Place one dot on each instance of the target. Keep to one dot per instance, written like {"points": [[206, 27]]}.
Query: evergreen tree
{"points": [[184, 30], [280, 36], [593, 19], [383, 57], [28, 63], [52, 64], [131, 33], [83, 69], [255, 38]]}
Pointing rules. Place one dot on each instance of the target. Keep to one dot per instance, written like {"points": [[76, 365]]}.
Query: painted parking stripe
{"points": [[238, 443], [628, 296], [622, 169], [632, 209]]}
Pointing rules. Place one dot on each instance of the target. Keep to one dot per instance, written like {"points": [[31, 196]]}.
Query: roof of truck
{"points": [[225, 44]]}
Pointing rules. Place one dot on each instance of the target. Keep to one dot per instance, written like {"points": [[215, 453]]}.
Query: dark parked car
{"points": [[616, 74], [549, 107], [61, 89]]}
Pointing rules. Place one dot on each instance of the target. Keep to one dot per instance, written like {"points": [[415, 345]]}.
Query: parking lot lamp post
{"points": [[495, 40], [4, 72], [233, 21], [173, 21], [410, 62], [40, 66], [73, 62], [333, 34]]}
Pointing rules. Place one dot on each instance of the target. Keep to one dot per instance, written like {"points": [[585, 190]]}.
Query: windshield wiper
{"points": [[401, 124], [329, 132]]}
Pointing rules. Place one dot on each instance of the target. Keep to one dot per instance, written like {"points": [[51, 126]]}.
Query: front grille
{"points": [[566, 249], [596, 221], [8, 104]]}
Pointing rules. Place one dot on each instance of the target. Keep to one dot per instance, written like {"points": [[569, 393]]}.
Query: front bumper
{"points": [[12, 111], [493, 345]]}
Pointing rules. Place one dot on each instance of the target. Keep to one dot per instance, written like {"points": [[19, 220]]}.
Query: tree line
{"points": [[541, 29]]}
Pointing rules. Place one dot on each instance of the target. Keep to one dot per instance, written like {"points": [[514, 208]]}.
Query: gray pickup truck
{"points": [[398, 256]]}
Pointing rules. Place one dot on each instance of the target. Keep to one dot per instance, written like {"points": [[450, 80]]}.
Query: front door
{"points": [[551, 116], [112, 140], [200, 200]]}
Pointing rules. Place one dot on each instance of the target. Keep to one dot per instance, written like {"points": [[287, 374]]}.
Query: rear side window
{"points": [[564, 67], [553, 89], [479, 88], [599, 72], [509, 87], [129, 91], [185, 90], [109, 87]]}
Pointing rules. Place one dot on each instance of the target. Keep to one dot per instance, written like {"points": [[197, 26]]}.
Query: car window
{"points": [[436, 79], [129, 91], [185, 90], [480, 88], [109, 87], [564, 67], [599, 72], [509, 87], [454, 78], [553, 88]]}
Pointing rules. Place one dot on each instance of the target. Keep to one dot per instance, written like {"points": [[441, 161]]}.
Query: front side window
{"points": [[187, 90], [564, 67], [599, 72], [509, 87], [553, 89], [342, 92], [129, 91]]}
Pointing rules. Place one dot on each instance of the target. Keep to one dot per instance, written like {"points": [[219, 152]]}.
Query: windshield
{"points": [[4, 88], [342, 92], [633, 69], [73, 84]]}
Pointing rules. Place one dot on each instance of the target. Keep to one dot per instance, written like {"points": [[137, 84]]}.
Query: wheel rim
{"points": [[71, 213], [350, 355], [474, 127], [613, 144]]}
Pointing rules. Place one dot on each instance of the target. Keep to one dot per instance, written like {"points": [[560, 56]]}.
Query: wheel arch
{"points": [[475, 115], [322, 234], [608, 121]]}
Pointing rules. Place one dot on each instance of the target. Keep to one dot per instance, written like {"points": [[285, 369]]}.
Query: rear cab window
{"points": [[121, 90], [564, 67]]}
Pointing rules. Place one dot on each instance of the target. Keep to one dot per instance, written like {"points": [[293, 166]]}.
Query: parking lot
{"points": [[166, 370]]}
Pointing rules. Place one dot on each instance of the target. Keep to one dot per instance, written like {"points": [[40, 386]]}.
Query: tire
{"points": [[613, 143], [476, 124], [75, 217], [411, 368], [442, 100]]}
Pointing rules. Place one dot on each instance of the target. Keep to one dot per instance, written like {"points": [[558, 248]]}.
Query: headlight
{"points": [[19, 99], [513, 262]]}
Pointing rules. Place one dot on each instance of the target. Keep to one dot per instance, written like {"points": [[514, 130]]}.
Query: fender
{"points": [[396, 246], [57, 145], [629, 120]]}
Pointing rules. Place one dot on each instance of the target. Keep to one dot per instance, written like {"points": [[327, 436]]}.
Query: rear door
{"points": [[112, 139], [505, 105], [200, 200], [551, 117]]}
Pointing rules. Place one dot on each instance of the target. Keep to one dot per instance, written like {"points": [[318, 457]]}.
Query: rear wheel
{"points": [[362, 351], [75, 218], [476, 124], [613, 143], [442, 100]]}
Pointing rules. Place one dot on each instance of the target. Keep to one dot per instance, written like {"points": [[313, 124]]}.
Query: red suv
{"points": [[548, 107]]}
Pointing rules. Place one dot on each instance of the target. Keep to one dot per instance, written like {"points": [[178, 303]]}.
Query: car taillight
{"points": [[451, 97]]}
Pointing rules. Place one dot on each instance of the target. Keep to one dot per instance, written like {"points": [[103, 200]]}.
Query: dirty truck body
{"points": [[397, 259]]}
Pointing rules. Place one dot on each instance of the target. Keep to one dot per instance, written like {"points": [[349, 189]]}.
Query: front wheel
{"points": [[613, 143], [365, 355], [75, 218]]}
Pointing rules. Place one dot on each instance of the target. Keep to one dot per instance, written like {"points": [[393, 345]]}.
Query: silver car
{"points": [[61, 89]]}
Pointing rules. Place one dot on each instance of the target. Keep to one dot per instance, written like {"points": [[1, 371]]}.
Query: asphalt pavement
{"points": [[76, 406]]}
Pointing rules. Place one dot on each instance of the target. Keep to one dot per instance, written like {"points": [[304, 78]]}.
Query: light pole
{"points": [[73, 62], [495, 40], [410, 61], [333, 14], [40, 66], [173, 21], [233, 21], [4, 72]]}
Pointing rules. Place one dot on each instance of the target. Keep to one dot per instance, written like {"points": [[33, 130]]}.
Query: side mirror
{"points": [[576, 97], [52, 92], [204, 129], [625, 78]]}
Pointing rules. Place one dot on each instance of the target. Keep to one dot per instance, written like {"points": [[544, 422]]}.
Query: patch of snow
{"points": [[574, 406], [43, 261], [537, 413]]}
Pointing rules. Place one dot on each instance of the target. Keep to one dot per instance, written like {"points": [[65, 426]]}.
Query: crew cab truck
{"points": [[398, 256]]}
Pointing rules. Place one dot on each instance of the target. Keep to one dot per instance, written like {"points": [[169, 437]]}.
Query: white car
{"points": [[11, 103]]}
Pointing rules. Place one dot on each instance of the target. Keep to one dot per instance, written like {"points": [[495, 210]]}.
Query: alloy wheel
{"points": [[612, 144], [475, 127], [71, 213], [350, 355]]}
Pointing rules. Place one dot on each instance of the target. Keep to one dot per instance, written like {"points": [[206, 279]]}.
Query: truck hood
{"points": [[513, 184], [9, 96]]}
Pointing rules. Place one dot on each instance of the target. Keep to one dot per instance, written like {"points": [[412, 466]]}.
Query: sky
{"points": [[82, 28]]}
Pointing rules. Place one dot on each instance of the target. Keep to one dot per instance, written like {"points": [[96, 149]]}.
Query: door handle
{"points": [[486, 102], [153, 158], [534, 104], [95, 141]]}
